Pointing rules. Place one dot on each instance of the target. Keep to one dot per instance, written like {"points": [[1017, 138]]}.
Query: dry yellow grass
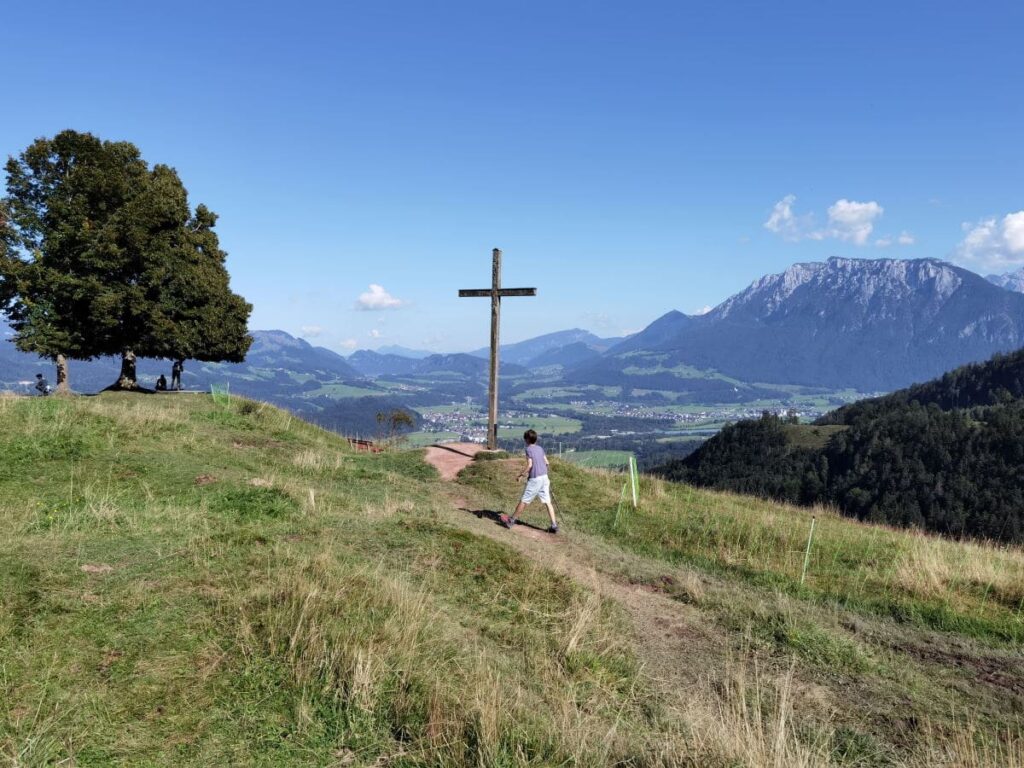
{"points": [[932, 567], [751, 723]]}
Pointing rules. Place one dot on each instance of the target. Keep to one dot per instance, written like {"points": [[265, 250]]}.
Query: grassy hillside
{"points": [[186, 583]]}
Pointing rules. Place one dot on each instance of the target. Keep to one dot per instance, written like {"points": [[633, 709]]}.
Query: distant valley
{"points": [[808, 339]]}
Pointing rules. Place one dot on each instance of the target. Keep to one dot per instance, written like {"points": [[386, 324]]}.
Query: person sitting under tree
{"points": [[161, 383], [42, 385], [538, 485], [176, 369]]}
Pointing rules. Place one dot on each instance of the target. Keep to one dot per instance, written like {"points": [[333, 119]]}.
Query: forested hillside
{"points": [[946, 455]]}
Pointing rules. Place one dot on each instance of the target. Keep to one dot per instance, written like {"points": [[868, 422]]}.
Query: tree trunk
{"points": [[127, 379], [63, 387]]}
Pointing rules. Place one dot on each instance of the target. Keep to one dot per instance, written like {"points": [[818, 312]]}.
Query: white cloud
{"points": [[903, 238], [377, 298], [1013, 231], [782, 221], [349, 344], [993, 244], [848, 220], [375, 334], [704, 310], [312, 331]]}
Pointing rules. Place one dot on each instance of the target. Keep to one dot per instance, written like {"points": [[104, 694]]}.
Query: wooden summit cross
{"points": [[495, 292]]}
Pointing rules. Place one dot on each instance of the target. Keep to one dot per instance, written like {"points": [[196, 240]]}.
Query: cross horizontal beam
{"points": [[495, 293], [487, 292]]}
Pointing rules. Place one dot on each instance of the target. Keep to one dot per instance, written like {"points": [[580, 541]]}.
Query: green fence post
{"points": [[807, 554]]}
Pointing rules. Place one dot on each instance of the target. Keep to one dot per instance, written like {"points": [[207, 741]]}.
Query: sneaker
{"points": [[510, 521], [553, 529]]}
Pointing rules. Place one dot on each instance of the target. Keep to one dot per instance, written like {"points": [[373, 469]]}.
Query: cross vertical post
{"points": [[492, 388], [495, 292]]}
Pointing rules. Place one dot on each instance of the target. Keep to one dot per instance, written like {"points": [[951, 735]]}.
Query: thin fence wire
{"points": [[221, 394]]}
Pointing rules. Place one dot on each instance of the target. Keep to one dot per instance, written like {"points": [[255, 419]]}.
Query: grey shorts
{"points": [[537, 488]]}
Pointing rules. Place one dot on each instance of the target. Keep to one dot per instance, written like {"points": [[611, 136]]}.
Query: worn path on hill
{"points": [[674, 639], [452, 458]]}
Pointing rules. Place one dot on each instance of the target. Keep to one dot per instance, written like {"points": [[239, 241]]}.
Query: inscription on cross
{"points": [[495, 292]]}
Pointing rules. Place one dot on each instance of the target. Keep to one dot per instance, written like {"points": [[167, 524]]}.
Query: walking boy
{"points": [[538, 485], [176, 369]]}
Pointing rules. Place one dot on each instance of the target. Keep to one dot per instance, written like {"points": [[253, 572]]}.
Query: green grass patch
{"points": [[545, 425], [854, 566], [599, 459], [248, 503]]}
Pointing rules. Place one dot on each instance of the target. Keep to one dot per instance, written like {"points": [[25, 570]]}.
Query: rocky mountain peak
{"points": [[865, 282], [1011, 281]]}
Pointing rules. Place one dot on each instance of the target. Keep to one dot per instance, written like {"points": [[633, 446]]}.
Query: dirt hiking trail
{"points": [[451, 458], [671, 636]]}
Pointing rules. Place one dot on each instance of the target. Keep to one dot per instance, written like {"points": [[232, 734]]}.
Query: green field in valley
{"points": [[420, 439], [344, 390], [512, 427]]}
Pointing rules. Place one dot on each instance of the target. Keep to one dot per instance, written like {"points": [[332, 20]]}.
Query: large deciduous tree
{"points": [[108, 259]]}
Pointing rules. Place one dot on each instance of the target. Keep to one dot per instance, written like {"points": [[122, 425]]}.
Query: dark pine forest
{"points": [[945, 456]]}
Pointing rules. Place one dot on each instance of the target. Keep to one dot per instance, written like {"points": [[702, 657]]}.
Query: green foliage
{"points": [[913, 458], [408, 464], [248, 408], [251, 503], [104, 257], [393, 425], [491, 455], [753, 457], [357, 417]]}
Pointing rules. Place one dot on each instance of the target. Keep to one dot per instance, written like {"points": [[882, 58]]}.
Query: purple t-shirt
{"points": [[540, 463]]}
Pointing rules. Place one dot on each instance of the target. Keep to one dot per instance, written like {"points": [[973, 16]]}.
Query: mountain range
{"points": [[276, 361], [870, 325], [1012, 281], [527, 352]]}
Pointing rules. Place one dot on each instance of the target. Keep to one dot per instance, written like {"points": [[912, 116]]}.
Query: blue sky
{"points": [[629, 158]]}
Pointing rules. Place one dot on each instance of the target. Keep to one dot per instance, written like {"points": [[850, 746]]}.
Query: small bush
{"points": [[252, 503], [248, 408], [492, 455]]}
